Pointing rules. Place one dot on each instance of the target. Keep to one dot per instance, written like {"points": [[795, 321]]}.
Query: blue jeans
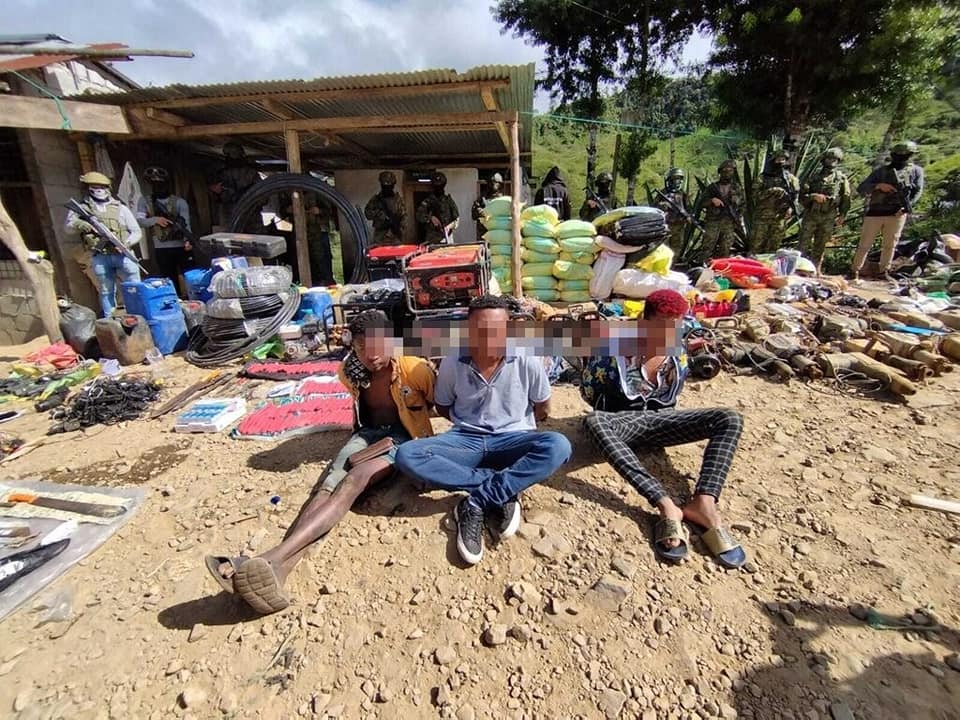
{"points": [[493, 468], [106, 266]]}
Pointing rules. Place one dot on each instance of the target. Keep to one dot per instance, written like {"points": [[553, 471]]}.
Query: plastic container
{"points": [[193, 312], [230, 262], [126, 338], [198, 283], [320, 302], [149, 297], [210, 415], [169, 331]]}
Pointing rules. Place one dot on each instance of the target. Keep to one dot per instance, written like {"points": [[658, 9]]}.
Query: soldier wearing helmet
{"points": [[233, 179], [776, 192], [106, 262], [494, 189], [720, 202], [826, 201], [603, 197], [893, 191], [386, 212], [438, 214], [167, 219], [674, 190]]}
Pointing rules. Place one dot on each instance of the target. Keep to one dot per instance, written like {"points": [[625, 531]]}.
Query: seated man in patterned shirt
{"points": [[634, 401]]}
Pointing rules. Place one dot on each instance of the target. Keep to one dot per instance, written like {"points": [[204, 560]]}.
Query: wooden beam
{"points": [[292, 138], [165, 117], [490, 103], [88, 162], [95, 51], [333, 94], [279, 109], [354, 148], [515, 182], [42, 114], [368, 123]]}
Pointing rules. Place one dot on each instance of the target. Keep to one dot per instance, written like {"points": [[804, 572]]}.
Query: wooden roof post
{"points": [[516, 180], [292, 138]]}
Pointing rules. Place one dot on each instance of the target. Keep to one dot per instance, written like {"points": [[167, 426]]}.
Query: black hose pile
{"points": [[105, 402], [249, 307]]}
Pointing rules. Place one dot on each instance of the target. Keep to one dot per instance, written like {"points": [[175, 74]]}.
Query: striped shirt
{"points": [[616, 384]]}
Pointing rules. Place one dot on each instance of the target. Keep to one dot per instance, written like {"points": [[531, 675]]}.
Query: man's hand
{"points": [[314, 210], [187, 245], [443, 411], [162, 221], [216, 188], [435, 221], [541, 411], [592, 204], [840, 220], [885, 187], [819, 198], [716, 202], [778, 192], [84, 228]]}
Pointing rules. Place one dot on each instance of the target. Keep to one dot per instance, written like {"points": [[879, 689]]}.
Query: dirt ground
{"points": [[388, 623]]}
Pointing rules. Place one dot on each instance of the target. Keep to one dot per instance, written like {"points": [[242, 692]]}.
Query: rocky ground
{"points": [[573, 618]]}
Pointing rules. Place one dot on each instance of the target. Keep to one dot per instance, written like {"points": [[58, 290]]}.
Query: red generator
{"points": [[386, 261], [445, 277]]}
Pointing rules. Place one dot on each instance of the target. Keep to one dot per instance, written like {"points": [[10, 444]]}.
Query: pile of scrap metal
{"points": [[842, 339]]}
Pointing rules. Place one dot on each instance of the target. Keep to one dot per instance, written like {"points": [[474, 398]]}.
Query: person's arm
{"points": [[424, 213], [77, 226], [183, 210], [401, 212], [917, 189], [373, 211], [423, 378], [538, 197], [455, 212], [867, 186], [134, 233], [538, 388], [843, 201], [444, 390], [142, 218]]}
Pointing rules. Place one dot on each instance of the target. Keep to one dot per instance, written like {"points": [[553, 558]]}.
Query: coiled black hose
{"points": [[219, 341], [252, 200]]}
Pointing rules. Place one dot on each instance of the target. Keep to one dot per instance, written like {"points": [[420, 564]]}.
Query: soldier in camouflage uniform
{"points": [[773, 204], [439, 214], [673, 189], [387, 212], [494, 190], [719, 198], [826, 201], [591, 209], [233, 179]]}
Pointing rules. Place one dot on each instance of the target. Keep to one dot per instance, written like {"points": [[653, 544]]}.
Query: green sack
{"points": [[566, 285], [535, 228], [537, 270], [532, 256], [499, 206], [575, 296], [496, 222], [498, 237], [576, 228], [579, 258], [538, 283], [503, 250], [542, 213], [571, 271], [577, 245], [504, 275], [544, 295], [500, 261], [541, 245]]}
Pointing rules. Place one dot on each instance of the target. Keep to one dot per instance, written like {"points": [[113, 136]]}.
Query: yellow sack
{"points": [[633, 308], [500, 261], [659, 261], [541, 213], [537, 270], [571, 271], [532, 256], [498, 237], [580, 258]]}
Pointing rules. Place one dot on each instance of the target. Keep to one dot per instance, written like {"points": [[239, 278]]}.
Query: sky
{"points": [[238, 40]]}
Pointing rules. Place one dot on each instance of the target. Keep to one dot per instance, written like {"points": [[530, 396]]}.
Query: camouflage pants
{"points": [[819, 229], [718, 237], [767, 234], [677, 233]]}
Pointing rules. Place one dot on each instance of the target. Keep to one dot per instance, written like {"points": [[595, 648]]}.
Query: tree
{"points": [[638, 147], [785, 64]]}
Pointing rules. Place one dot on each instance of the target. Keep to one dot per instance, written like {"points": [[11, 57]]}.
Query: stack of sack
{"points": [[573, 267], [499, 238], [540, 252]]}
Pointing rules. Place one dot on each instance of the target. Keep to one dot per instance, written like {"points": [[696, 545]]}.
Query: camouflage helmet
{"points": [[387, 178], [727, 165], [781, 154], [156, 174], [907, 147], [834, 153], [95, 178], [604, 177], [438, 179], [675, 172]]}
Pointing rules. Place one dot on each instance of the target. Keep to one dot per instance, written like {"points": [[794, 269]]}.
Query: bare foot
{"points": [[669, 510], [702, 510]]}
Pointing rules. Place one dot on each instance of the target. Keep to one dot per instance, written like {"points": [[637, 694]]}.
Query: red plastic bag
{"points": [[60, 355]]}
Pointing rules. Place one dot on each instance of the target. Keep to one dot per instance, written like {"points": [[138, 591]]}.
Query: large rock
{"points": [[525, 593], [609, 592], [552, 546], [611, 703]]}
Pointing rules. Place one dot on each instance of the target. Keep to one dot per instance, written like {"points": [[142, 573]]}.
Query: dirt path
{"points": [[388, 624]]}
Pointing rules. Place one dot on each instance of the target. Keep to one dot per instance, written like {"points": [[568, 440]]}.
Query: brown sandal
{"points": [[257, 583]]}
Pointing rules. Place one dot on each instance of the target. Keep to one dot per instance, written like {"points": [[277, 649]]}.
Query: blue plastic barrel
{"points": [[149, 297], [318, 301], [169, 331], [198, 283]]}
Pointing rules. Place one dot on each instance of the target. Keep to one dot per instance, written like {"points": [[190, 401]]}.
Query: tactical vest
{"points": [[170, 236], [110, 217], [830, 184]]}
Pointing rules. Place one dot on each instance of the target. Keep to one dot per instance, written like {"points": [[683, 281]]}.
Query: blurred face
{"points": [[726, 174], [899, 161], [603, 186], [373, 349], [488, 332], [830, 162], [663, 335]]}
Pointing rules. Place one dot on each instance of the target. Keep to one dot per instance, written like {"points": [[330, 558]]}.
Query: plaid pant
{"points": [[617, 434]]}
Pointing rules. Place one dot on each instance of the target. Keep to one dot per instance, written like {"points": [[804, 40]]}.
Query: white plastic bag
{"points": [[604, 273], [640, 283]]}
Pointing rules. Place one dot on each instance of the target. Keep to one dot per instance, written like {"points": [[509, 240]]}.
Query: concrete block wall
{"points": [[75, 78], [19, 318]]}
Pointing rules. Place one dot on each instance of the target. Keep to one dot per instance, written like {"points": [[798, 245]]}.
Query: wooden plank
{"points": [[371, 123], [165, 117], [88, 162], [332, 94], [490, 103], [292, 138], [279, 109], [42, 114], [515, 182]]}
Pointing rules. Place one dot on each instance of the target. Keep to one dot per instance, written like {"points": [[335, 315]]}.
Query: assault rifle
{"points": [[107, 238], [792, 194], [177, 221], [681, 211], [903, 194], [596, 198]]}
